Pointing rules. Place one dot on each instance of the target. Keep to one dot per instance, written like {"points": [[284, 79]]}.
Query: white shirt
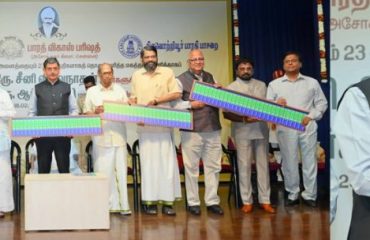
{"points": [[114, 133], [352, 129], [256, 88], [6, 111], [305, 93]]}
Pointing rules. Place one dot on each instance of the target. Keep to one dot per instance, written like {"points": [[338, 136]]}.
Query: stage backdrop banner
{"points": [[349, 53], [83, 34]]}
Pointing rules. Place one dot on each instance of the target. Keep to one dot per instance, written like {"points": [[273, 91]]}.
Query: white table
{"points": [[66, 202]]}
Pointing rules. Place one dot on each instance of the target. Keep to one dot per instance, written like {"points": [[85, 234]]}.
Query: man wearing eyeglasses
{"points": [[109, 149], [203, 142], [302, 92]]}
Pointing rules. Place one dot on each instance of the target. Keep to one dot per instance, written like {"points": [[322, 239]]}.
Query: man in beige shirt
{"points": [[160, 180], [251, 138], [109, 149]]}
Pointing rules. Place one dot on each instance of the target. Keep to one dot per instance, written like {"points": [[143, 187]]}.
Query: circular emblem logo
{"points": [[11, 47], [130, 46]]}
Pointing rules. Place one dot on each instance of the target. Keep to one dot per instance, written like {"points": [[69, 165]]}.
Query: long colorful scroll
{"points": [[53, 126], [157, 116], [247, 105]]}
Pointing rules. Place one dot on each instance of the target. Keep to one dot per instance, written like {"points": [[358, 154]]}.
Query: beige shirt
{"points": [[147, 87], [255, 88], [114, 133]]}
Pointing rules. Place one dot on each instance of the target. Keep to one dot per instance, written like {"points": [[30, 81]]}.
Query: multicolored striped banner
{"points": [[54, 126], [246, 105], [157, 116]]}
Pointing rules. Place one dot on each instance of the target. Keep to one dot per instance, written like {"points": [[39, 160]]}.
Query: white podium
{"points": [[66, 202]]}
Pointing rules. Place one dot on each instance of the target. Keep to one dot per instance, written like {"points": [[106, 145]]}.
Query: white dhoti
{"points": [[112, 161], [6, 186], [160, 179]]}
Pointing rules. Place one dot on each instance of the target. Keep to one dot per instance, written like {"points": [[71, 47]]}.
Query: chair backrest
{"points": [[15, 152], [29, 144], [136, 156], [88, 152]]}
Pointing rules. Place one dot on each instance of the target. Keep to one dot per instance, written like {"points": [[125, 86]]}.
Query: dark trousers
{"points": [[360, 222], [61, 146]]}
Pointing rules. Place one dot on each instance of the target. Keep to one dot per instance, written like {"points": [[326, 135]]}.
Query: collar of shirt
{"points": [[285, 78], [103, 89], [156, 71], [243, 81], [196, 76], [53, 83]]}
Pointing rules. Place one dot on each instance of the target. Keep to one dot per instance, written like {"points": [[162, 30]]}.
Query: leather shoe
{"points": [[215, 209], [194, 210], [309, 202], [268, 208], [168, 210], [290, 202], [247, 208], [2, 214], [150, 209]]}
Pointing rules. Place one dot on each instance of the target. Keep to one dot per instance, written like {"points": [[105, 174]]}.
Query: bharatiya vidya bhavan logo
{"points": [[130, 46]]}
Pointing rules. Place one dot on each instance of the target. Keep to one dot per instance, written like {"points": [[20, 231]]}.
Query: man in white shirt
{"points": [[352, 129], [109, 149], [6, 187], [302, 92]]}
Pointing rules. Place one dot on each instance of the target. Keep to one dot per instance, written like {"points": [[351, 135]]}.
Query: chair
{"points": [[29, 144], [234, 176], [136, 163], [130, 170], [15, 151]]}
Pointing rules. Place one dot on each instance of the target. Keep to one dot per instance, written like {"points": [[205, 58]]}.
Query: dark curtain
{"points": [[269, 28]]}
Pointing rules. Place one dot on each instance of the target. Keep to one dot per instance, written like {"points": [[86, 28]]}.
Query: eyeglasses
{"points": [[291, 61], [107, 73], [196, 59]]}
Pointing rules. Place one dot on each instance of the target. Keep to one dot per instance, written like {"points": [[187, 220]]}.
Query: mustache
{"points": [[246, 76], [150, 66]]}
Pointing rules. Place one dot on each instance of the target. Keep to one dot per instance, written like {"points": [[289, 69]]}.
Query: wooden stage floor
{"points": [[298, 222]]}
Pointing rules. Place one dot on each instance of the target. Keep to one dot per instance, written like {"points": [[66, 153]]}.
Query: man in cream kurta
{"points": [[160, 180], [109, 149], [251, 138], [6, 186]]}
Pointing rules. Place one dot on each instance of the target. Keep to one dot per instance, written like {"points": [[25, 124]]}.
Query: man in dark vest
{"points": [[352, 130], [203, 142], [52, 97]]}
